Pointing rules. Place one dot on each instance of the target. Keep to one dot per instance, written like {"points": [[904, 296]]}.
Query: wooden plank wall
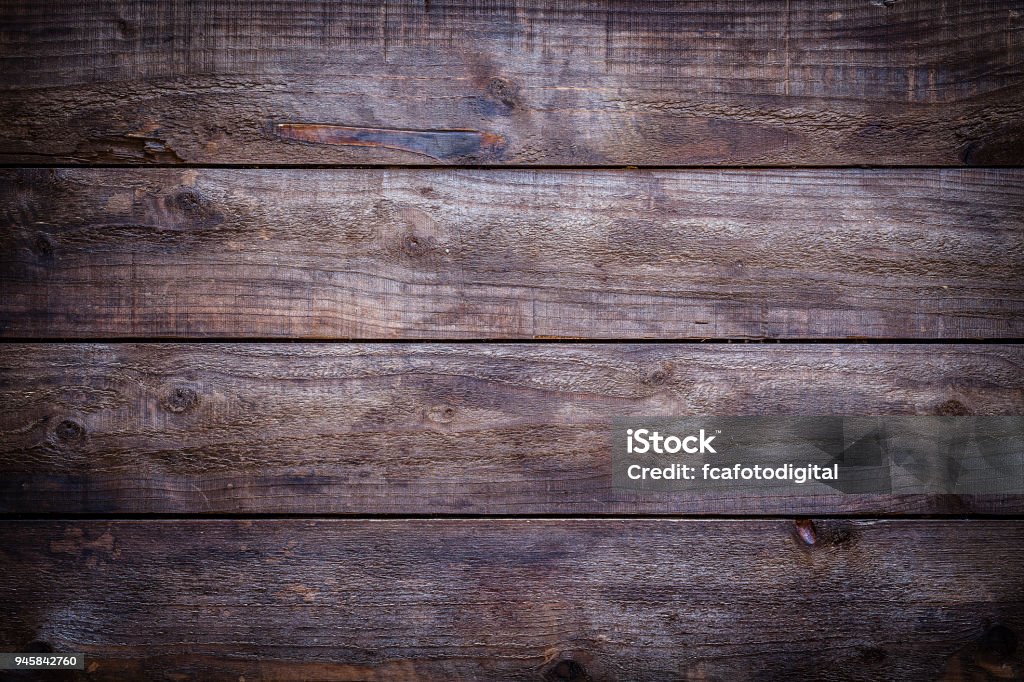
{"points": [[314, 317], [571, 82], [417, 254], [439, 429], [523, 599]]}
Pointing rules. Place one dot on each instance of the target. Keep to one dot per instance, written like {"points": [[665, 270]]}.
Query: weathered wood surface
{"points": [[498, 254], [830, 82], [438, 429], [520, 600]]}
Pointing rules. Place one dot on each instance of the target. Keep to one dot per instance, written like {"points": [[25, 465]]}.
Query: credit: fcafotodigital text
{"points": [[905, 455]]}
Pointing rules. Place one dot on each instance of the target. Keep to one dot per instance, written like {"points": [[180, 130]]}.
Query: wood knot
{"points": [[952, 408], [825, 535], [192, 204], [971, 151], [37, 646], [442, 414], [505, 93], [567, 669], [415, 246], [187, 200], [42, 247], [998, 644], [180, 399], [659, 377], [69, 430], [806, 531]]}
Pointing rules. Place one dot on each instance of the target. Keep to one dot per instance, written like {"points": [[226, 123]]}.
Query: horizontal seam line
{"points": [[445, 167], [512, 341], [159, 516]]}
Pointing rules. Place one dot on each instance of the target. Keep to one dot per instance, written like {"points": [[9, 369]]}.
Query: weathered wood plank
{"points": [[438, 429], [583, 82], [500, 254], [518, 600]]}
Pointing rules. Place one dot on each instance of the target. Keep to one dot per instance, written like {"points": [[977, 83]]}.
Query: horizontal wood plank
{"points": [[825, 82], [420, 254], [520, 600], [440, 429]]}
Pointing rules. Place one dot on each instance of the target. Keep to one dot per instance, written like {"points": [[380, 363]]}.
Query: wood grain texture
{"points": [[520, 600], [830, 82], [439, 429], [422, 254]]}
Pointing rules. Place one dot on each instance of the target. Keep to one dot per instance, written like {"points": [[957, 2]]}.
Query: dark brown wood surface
{"points": [[248, 509], [439, 429], [831, 82], [520, 600], [497, 254]]}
